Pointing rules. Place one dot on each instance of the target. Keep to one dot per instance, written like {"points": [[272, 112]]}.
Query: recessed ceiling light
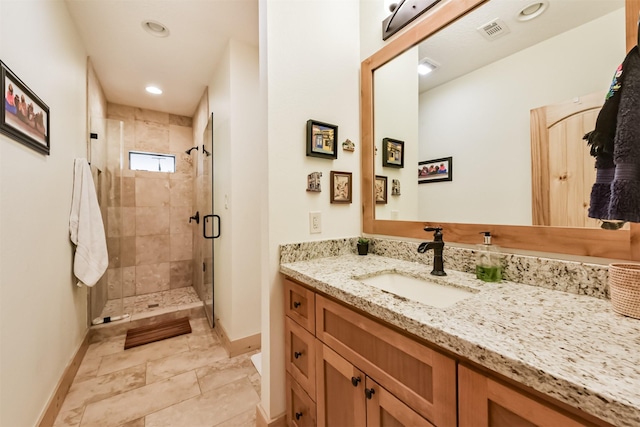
{"points": [[154, 90], [532, 10], [155, 28]]}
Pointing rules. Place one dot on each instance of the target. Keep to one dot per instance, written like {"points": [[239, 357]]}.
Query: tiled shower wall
{"points": [[151, 231]]}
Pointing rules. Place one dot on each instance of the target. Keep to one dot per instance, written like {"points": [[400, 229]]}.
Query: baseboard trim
{"points": [[55, 403], [240, 346], [261, 419]]}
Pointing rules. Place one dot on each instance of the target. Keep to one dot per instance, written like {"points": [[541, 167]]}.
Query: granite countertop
{"points": [[573, 348]]}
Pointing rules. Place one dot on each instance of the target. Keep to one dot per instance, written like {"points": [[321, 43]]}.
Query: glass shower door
{"points": [[211, 222], [105, 156]]}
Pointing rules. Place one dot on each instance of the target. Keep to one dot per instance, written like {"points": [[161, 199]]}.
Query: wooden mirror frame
{"points": [[619, 244]]}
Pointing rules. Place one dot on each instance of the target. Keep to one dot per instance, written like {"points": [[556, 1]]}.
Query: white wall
{"points": [[42, 313], [492, 169], [396, 80], [312, 75], [239, 165]]}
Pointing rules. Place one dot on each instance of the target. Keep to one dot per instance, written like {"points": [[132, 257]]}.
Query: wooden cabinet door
{"points": [[386, 410], [340, 399], [484, 402]]}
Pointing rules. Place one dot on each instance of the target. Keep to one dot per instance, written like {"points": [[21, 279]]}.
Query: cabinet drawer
{"points": [[421, 377], [300, 356], [299, 305], [301, 411]]}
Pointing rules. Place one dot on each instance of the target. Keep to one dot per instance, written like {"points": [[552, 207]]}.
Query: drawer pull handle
{"points": [[296, 304], [298, 415], [297, 354], [369, 392], [355, 381]]}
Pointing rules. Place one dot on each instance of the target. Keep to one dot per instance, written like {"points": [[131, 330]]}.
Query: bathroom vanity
{"points": [[507, 354]]}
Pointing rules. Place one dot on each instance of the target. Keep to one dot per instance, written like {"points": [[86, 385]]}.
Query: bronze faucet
{"points": [[437, 245]]}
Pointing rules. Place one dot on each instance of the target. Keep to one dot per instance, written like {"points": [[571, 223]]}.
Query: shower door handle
{"points": [[204, 227]]}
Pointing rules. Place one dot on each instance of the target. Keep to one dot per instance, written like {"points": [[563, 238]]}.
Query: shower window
{"points": [[152, 162]]}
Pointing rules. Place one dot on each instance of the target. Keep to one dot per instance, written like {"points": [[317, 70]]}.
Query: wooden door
{"points": [[563, 171], [484, 402], [386, 410], [340, 390]]}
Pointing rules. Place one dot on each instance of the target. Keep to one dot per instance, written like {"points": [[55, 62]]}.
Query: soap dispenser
{"points": [[488, 260]]}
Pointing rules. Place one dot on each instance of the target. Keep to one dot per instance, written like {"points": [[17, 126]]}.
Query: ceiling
{"points": [[460, 48], [126, 58]]}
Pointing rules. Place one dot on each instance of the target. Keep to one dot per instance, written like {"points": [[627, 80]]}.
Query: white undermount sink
{"points": [[424, 291]]}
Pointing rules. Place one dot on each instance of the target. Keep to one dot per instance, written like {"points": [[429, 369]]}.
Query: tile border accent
{"points": [[108, 330], [239, 346], [52, 409]]}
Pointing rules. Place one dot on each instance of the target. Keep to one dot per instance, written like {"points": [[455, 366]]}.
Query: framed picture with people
{"points": [[23, 116], [436, 170]]}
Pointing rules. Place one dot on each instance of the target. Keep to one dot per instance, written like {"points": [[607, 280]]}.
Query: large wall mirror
{"points": [[499, 113]]}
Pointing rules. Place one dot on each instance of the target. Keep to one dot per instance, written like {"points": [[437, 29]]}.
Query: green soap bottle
{"points": [[488, 260]]}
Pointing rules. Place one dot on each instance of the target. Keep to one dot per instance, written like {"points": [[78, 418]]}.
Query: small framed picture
{"points": [[392, 153], [23, 116], [395, 187], [341, 187], [313, 182], [381, 189], [322, 140], [436, 170]]}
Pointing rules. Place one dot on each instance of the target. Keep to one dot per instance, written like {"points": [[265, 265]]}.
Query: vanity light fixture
{"points": [[532, 10], [155, 28], [426, 66], [154, 90]]}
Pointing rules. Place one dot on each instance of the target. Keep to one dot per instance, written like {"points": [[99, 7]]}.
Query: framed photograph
{"points": [[340, 187], [435, 170], [395, 187], [392, 153], [381, 189], [322, 140], [23, 116], [313, 182]]}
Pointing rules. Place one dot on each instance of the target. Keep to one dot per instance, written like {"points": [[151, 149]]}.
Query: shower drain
{"points": [[153, 305]]}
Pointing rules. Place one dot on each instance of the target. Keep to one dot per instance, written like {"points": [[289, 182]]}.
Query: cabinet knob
{"points": [[296, 304], [355, 381], [298, 415], [369, 392], [297, 354]]}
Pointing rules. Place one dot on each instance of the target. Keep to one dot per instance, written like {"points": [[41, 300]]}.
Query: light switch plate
{"points": [[315, 222]]}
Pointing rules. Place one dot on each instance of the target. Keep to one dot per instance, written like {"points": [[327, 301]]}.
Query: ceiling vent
{"points": [[494, 29]]}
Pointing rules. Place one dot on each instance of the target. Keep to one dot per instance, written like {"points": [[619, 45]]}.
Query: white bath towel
{"points": [[86, 227]]}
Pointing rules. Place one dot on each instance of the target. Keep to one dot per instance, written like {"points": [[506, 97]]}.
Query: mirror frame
{"points": [[620, 244]]}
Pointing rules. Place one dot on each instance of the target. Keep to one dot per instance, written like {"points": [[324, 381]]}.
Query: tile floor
{"points": [[185, 381]]}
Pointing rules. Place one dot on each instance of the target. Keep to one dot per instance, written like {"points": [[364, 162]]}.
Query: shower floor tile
{"points": [[141, 305]]}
